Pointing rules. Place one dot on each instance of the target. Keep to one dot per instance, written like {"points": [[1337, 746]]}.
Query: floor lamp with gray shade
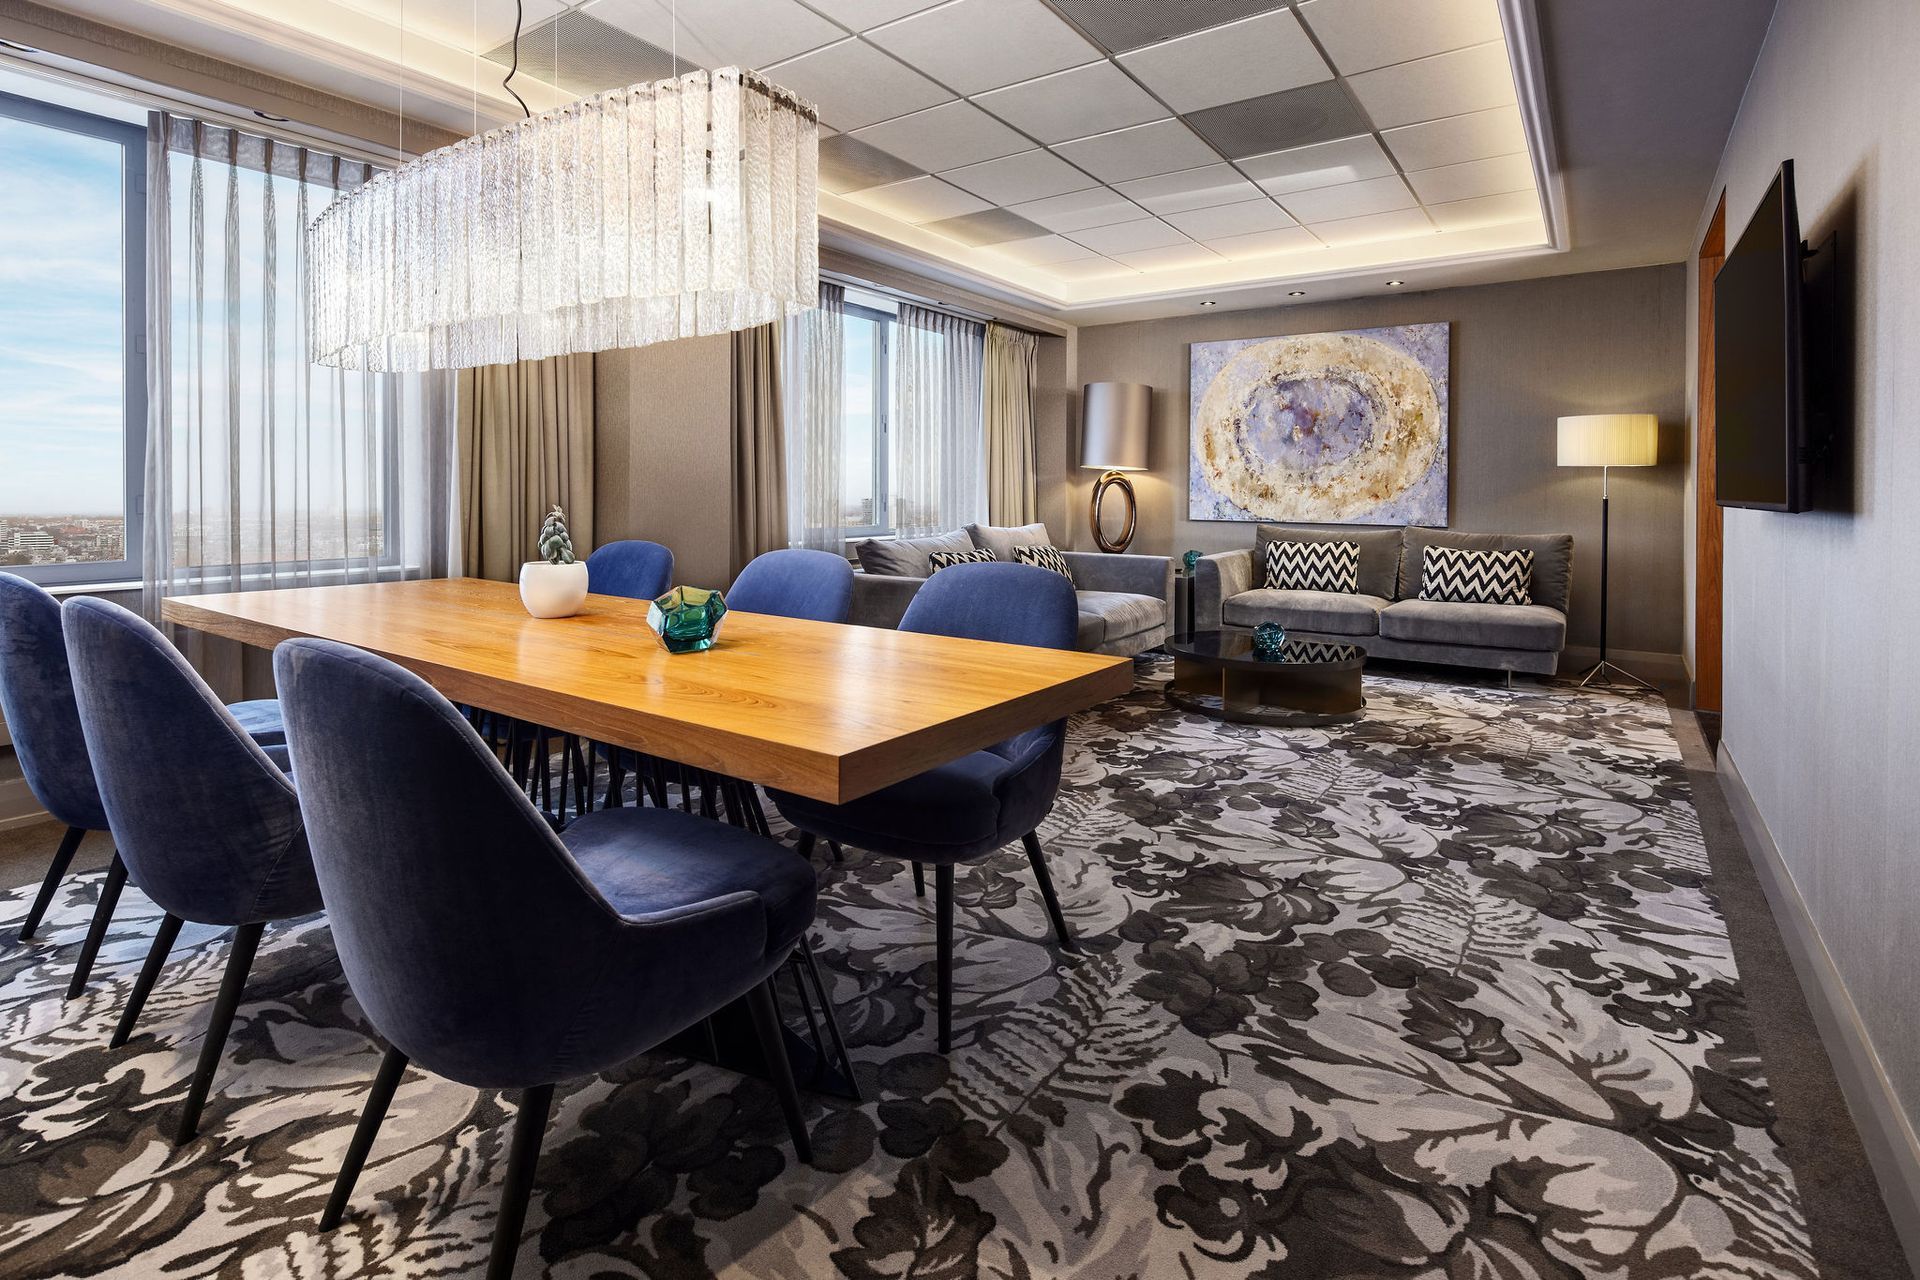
{"points": [[1113, 441], [1608, 440]]}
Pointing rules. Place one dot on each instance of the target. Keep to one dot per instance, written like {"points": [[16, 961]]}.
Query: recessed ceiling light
{"points": [[1395, 284], [18, 48], [1209, 304], [1298, 293], [268, 115]]}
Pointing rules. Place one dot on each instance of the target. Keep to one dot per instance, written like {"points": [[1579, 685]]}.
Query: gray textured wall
{"points": [[1821, 609], [1523, 355]]}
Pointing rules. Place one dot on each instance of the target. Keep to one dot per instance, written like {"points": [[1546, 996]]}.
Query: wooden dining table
{"points": [[825, 710]]}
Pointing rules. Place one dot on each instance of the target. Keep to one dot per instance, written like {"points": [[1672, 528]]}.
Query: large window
{"points": [[865, 509], [72, 358]]}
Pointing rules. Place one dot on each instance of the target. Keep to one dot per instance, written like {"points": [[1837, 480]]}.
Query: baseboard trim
{"points": [[1892, 1147], [18, 808]]}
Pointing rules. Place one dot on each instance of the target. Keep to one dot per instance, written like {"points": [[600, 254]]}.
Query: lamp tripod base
{"points": [[1606, 675]]}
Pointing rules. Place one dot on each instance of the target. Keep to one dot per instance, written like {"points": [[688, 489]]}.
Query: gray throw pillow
{"points": [[907, 557], [1002, 541]]}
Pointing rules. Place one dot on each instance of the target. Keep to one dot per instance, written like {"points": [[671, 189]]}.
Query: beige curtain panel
{"points": [[526, 443], [759, 446], [1008, 378]]}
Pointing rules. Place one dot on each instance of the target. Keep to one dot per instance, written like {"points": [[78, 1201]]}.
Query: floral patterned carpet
{"points": [[1442, 994]]}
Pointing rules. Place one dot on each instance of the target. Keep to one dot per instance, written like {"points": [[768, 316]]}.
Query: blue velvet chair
{"points": [[36, 700], [795, 583], [635, 569], [205, 819], [965, 809], [489, 950]]}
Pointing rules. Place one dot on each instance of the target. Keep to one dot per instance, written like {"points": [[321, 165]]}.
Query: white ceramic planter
{"points": [[553, 590]]}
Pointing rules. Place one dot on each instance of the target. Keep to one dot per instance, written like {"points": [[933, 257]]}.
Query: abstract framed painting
{"points": [[1322, 428]]}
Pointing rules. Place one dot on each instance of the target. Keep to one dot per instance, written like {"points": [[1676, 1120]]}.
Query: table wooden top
{"points": [[824, 710]]}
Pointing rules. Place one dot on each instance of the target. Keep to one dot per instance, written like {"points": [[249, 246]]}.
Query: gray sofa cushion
{"points": [[1333, 612], [1002, 541], [908, 557], [1552, 561], [1107, 616], [1379, 552], [1486, 626]]}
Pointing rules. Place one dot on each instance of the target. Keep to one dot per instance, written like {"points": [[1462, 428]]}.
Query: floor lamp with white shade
{"points": [[1608, 440]]}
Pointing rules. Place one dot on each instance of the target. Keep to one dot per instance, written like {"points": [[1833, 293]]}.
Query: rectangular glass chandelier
{"points": [[668, 210]]}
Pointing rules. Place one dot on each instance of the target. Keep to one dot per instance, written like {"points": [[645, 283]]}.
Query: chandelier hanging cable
{"points": [[684, 207]]}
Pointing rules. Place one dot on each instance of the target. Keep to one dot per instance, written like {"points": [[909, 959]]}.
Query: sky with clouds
{"points": [[60, 323]]}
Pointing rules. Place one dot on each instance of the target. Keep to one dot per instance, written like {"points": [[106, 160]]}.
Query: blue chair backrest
{"points": [[1008, 603], [36, 700], [208, 825], [467, 931], [635, 569], [795, 583]]}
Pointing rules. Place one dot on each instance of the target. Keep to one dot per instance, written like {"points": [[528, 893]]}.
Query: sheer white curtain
{"points": [[814, 360], [264, 469], [939, 447]]}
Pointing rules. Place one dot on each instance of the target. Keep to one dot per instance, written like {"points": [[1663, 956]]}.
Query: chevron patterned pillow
{"points": [[948, 559], [1476, 577], [1044, 558], [1313, 566]]}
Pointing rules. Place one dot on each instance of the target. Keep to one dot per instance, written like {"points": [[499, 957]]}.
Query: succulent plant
{"points": [[556, 545]]}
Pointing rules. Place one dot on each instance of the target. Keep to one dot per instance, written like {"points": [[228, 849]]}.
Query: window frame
{"points": [[882, 404], [132, 139]]}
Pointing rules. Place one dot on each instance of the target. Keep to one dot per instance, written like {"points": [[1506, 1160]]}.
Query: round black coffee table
{"points": [[1311, 682]]}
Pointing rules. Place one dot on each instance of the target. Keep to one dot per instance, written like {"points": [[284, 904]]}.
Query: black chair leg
{"points": [[246, 941], [805, 848], [529, 1127], [56, 870], [616, 782], [812, 967], [1039, 861], [392, 1067], [97, 931], [919, 881], [833, 847], [943, 950], [773, 1046], [149, 974]]}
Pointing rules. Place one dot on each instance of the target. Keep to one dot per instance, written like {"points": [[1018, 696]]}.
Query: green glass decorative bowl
{"points": [[687, 618], [1190, 559]]}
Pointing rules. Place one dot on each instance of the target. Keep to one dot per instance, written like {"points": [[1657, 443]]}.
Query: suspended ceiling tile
{"points": [[1129, 237], [1486, 211], [1280, 121], [1325, 164], [1361, 35], [1073, 104], [920, 200], [1246, 59], [1231, 220], [1398, 225], [1263, 243], [1015, 179], [848, 164], [1491, 177], [1098, 207], [1457, 139], [993, 226], [854, 84], [944, 137], [1042, 250], [1120, 25], [1199, 188], [863, 15], [1349, 200], [1447, 84], [1093, 268], [975, 45], [1170, 258], [1139, 152], [723, 33]]}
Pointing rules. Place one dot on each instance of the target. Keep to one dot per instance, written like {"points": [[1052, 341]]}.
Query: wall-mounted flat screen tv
{"points": [[1759, 360]]}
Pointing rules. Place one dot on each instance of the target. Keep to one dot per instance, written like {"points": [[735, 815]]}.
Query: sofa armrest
{"points": [[1129, 575], [881, 599], [1217, 579]]}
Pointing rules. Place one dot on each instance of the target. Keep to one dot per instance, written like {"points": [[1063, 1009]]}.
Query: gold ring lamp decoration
{"points": [[1113, 441]]}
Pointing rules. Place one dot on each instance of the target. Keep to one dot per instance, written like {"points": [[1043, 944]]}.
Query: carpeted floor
{"points": [[1446, 993]]}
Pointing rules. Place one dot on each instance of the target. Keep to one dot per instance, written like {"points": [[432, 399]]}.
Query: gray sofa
{"points": [[1126, 602], [1385, 616]]}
